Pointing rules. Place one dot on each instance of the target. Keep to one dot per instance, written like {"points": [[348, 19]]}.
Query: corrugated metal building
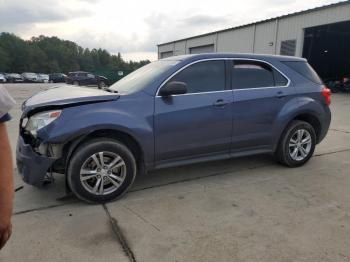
{"points": [[320, 34]]}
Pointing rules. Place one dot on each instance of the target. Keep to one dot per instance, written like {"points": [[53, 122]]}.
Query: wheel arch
{"points": [[312, 120], [128, 140], [306, 116]]}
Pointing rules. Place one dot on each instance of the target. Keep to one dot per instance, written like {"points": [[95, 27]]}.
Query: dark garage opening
{"points": [[327, 49]]}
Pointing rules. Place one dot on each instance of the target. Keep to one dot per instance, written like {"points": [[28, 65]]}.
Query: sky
{"points": [[134, 28]]}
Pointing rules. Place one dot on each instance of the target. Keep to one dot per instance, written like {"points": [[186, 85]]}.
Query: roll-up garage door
{"points": [[202, 49], [166, 54]]}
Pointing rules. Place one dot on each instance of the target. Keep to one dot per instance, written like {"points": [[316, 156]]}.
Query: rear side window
{"points": [[204, 76], [305, 70], [255, 74], [280, 80]]}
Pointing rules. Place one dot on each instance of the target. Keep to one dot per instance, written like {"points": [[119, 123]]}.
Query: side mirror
{"points": [[173, 88]]}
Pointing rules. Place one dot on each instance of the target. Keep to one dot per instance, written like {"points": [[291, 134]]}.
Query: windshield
{"points": [[140, 78]]}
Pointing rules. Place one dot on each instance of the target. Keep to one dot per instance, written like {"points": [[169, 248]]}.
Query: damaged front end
{"points": [[38, 153], [32, 166], [36, 158]]}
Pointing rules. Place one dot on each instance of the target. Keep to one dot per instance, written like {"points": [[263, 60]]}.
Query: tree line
{"points": [[51, 55]]}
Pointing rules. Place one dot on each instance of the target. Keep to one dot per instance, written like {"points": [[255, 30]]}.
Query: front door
{"points": [[198, 123]]}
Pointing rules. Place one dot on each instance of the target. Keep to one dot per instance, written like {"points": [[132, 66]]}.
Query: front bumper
{"points": [[31, 166]]}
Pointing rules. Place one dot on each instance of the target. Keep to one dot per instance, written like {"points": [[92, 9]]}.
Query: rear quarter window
{"points": [[305, 70]]}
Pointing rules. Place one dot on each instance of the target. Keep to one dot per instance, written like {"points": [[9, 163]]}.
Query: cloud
{"points": [[202, 19], [135, 27], [14, 14]]}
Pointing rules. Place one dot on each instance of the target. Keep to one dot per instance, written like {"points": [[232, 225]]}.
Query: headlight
{"points": [[40, 120]]}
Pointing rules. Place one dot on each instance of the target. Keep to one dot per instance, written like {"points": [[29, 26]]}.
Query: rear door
{"points": [[259, 92], [91, 79], [198, 123], [81, 77]]}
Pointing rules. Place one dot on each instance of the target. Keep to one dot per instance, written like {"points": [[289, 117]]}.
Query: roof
{"points": [[264, 21], [76, 72], [233, 55]]}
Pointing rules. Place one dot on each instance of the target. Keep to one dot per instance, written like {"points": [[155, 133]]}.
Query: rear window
{"points": [[305, 70]]}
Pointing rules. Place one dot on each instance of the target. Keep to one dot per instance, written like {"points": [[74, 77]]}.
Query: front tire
{"points": [[297, 144], [101, 170]]}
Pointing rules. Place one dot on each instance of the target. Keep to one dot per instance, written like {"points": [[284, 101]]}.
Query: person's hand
{"points": [[5, 230]]}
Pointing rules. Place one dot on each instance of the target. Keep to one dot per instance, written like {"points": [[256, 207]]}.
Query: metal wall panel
{"points": [[166, 54], [165, 48], [201, 41], [180, 48], [293, 27], [202, 49], [239, 41], [265, 37], [258, 37]]}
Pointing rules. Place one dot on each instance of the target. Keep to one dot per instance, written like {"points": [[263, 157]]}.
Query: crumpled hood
{"points": [[63, 96]]}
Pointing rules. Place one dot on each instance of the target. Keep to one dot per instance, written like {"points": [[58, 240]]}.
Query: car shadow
{"points": [[29, 198], [186, 173]]}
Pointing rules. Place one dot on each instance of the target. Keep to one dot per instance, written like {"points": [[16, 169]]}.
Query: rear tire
{"points": [[114, 181], [101, 85], [297, 144]]}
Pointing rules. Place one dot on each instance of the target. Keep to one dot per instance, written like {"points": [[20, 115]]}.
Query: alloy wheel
{"points": [[103, 173], [300, 145]]}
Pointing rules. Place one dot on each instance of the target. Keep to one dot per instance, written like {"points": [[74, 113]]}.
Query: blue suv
{"points": [[174, 111]]}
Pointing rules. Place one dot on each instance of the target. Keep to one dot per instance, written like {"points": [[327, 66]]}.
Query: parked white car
{"points": [[30, 77], [2, 78], [43, 78]]}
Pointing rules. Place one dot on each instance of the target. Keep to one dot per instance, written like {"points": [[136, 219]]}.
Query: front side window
{"points": [[206, 76], [255, 74]]}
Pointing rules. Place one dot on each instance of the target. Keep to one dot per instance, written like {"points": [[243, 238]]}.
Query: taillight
{"points": [[326, 92]]}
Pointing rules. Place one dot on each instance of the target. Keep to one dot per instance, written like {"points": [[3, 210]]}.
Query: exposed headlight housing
{"points": [[40, 120]]}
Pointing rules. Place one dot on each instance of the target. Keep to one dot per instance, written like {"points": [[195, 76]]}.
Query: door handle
{"points": [[280, 94], [220, 103]]}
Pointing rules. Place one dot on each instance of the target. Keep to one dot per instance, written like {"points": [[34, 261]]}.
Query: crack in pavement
{"points": [[339, 130], [177, 182], [332, 152], [120, 236], [42, 208], [141, 217]]}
